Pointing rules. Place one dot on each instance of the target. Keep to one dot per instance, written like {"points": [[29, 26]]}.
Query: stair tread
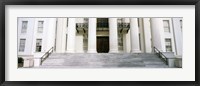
{"points": [[102, 60]]}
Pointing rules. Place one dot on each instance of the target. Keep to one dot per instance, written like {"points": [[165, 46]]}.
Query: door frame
{"points": [[102, 37]]}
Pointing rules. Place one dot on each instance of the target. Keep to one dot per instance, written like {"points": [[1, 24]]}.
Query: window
{"points": [[168, 45], [166, 25], [102, 23], [22, 45], [38, 45], [24, 26], [181, 25], [40, 26]]}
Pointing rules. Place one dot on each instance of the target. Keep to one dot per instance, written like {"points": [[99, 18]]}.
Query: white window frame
{"points": [[38, 47], [24, 26], [22, 45], [40, 27], [168, 45], [166, 28]]}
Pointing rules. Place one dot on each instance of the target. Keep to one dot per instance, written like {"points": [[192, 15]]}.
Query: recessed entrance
{"points": [[102, 44]]}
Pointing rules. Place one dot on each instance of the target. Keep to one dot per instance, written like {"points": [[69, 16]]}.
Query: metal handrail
{"points": [[161, 55], [46, 55]]}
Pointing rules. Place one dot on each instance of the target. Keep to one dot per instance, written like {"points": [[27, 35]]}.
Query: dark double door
{"points": [[102, 44]]}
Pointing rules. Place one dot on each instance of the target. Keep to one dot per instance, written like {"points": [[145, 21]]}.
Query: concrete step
{"points": [[103, 60], [156, 66], [63, 55]]}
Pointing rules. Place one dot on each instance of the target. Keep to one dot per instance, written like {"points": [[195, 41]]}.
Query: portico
{"points": [[94, 30], [87, 35]]}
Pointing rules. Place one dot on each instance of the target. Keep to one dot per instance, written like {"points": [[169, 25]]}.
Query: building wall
{"points": [[170, 35], [178, 36], [29, 35], [47, 36]]}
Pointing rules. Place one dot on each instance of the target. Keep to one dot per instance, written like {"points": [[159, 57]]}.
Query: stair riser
{"points": [[105, 60]]}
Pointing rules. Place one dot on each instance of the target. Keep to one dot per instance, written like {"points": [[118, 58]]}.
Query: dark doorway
{"points": [[102, 44]]}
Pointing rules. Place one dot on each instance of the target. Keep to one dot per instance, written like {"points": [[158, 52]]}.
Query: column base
{"points": [[80, 51], [135, 51], [113, 51], [92, 51], [60, 51], [70, 51]]}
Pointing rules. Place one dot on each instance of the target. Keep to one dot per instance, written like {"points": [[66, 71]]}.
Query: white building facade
{"points": [[97, 35]]}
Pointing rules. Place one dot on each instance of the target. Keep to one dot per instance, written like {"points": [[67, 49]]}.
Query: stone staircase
{"points": [[103, 60]]}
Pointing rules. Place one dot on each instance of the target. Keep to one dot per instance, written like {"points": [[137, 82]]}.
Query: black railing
{"points": [[160, 55], [46, 55], [123, 25], [103, 25], [81, 25]]}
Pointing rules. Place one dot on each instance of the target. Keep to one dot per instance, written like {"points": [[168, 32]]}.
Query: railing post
{"points": [[154, 50], [166, 61], [159, 54]]}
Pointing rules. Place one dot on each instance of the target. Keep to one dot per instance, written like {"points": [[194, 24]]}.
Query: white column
{"points": [[113, 36], [147, 35], [134, 31], [71, 35], [79, 43], [157, 32], [126, 43], [141, 36], [61, 35], [92, 35]]}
